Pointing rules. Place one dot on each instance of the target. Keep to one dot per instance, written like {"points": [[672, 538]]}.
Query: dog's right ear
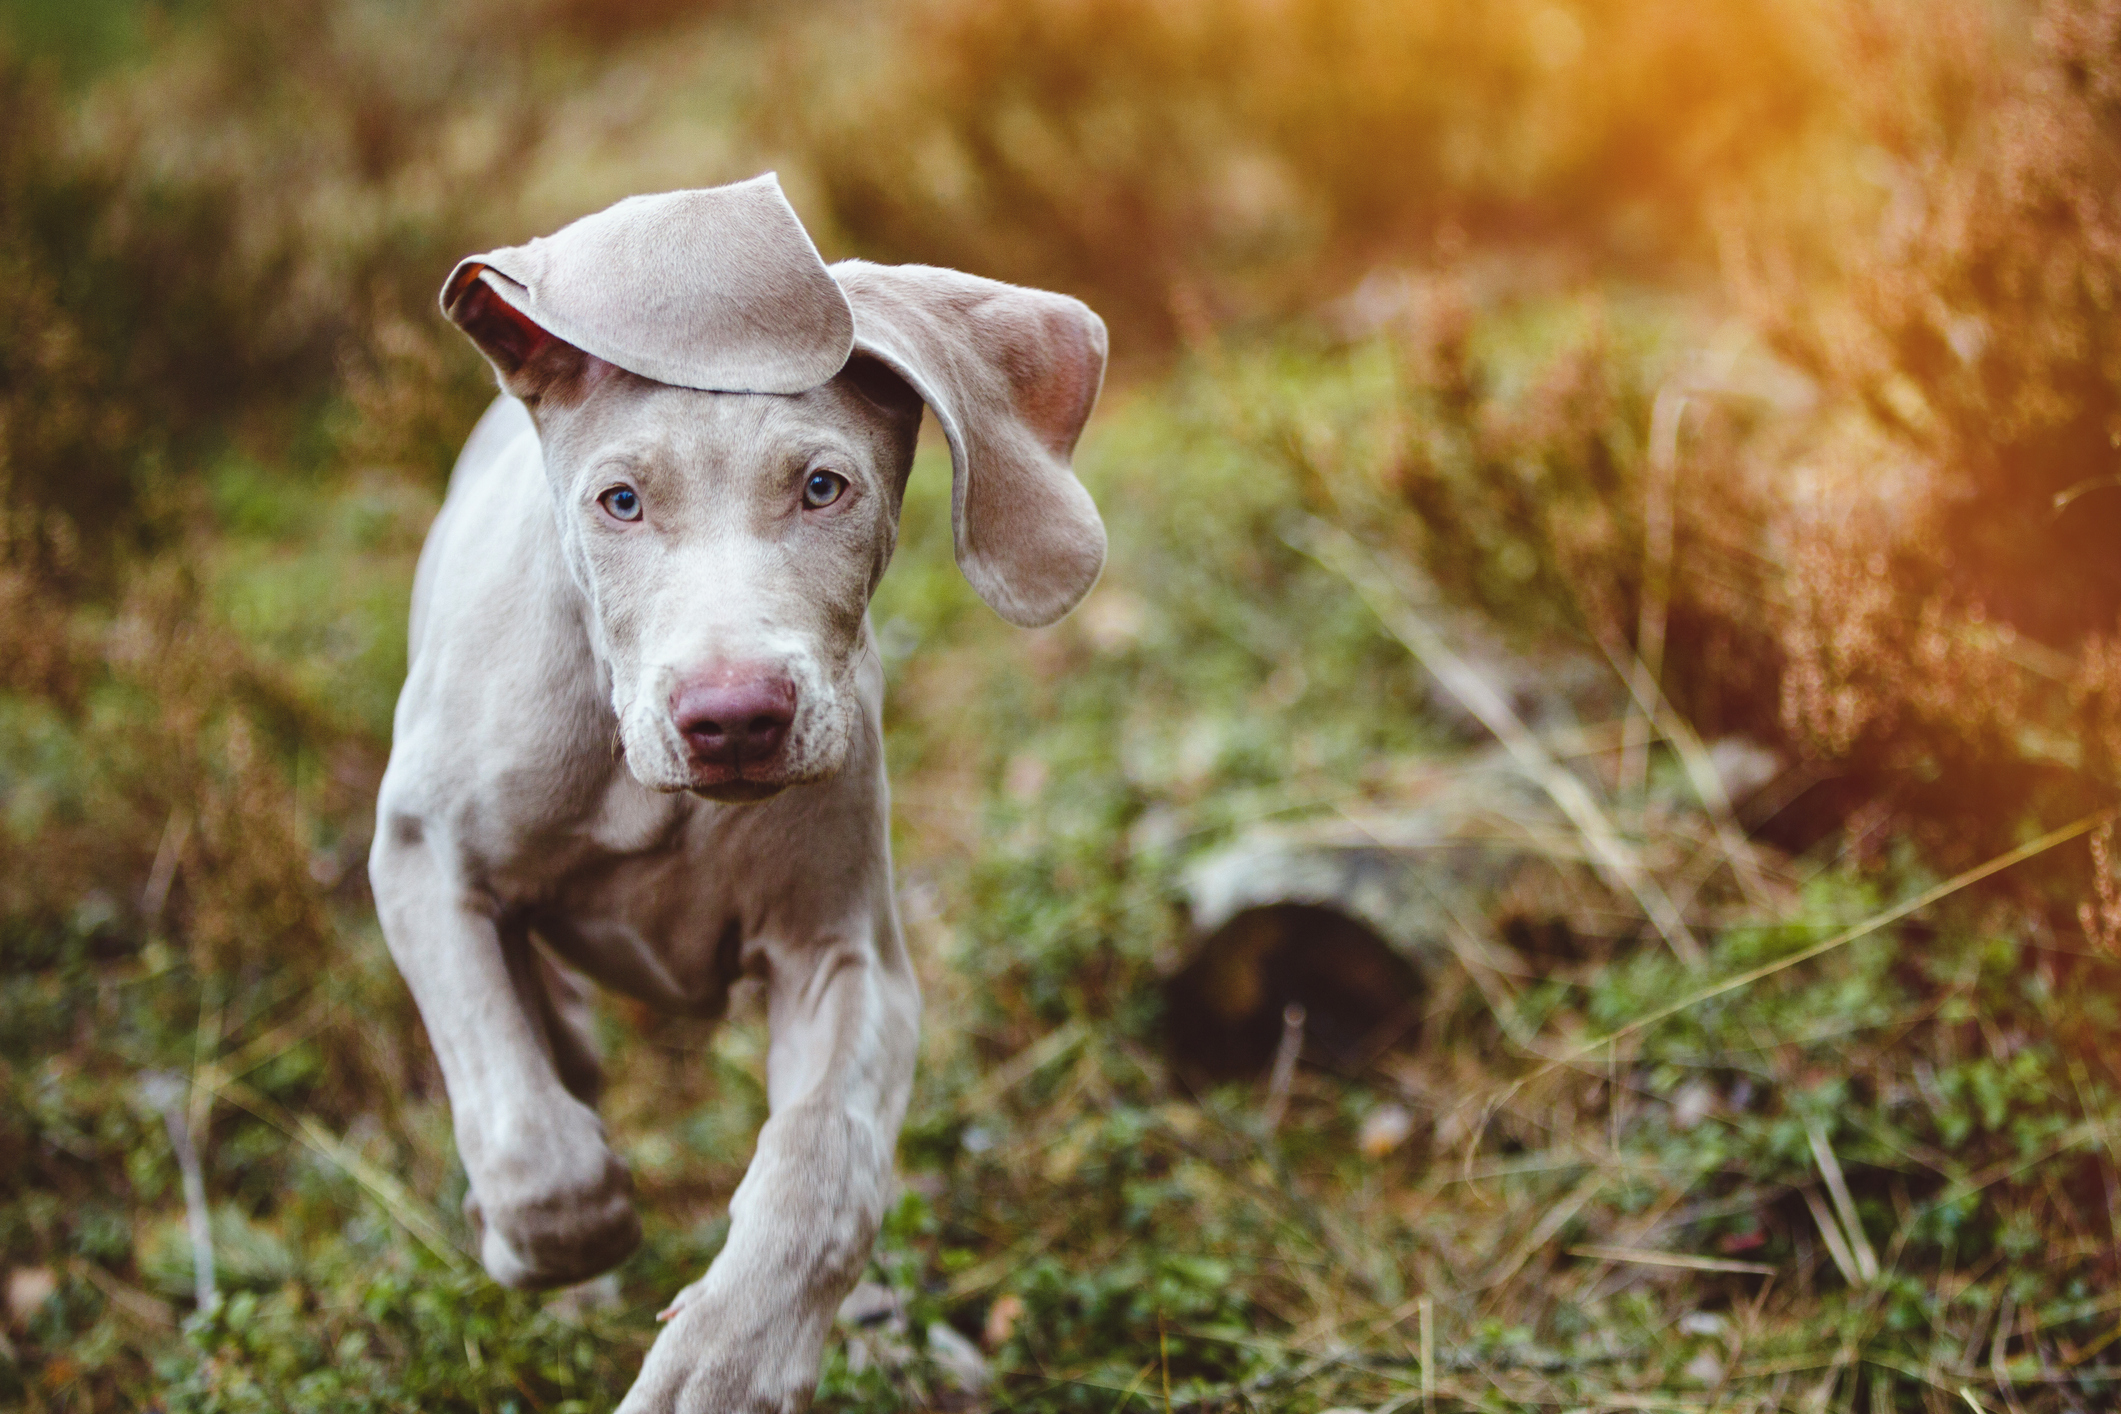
{"points": [[534, 365]]}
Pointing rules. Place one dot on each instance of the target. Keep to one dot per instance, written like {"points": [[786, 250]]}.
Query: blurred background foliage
{"points": [[1759, 355]]}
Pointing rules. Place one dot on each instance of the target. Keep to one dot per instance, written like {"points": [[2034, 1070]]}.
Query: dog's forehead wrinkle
{"points": [[627, 405], [642, 464], [707, 457]]}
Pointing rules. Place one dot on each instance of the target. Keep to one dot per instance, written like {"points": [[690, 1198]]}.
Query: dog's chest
{"points": [[631, 887], [660, 925]]}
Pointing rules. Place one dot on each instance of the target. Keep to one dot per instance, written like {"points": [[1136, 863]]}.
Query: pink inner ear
{"points": [[504, 333], [1054, 376]]}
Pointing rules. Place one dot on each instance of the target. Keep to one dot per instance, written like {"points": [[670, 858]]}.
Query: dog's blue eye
{"points": [[622, 502], [823, 488]]}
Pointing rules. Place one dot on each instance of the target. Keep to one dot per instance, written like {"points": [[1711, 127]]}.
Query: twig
{"points": [[176, 833], [1284, 1073], [166, 1093]]}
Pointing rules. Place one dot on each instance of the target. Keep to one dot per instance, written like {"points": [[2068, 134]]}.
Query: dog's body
{"points": [[642, 728]]}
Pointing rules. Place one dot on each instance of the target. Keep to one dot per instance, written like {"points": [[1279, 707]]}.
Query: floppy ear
{"points": [[533, 364], [717, 288], [1011, 374]]}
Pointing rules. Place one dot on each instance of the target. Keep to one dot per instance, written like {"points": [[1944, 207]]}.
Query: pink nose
{"points": [[734, 716]]}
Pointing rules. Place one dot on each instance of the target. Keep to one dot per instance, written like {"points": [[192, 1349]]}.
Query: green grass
{"points": [[226, 403], [1157, 1243]]}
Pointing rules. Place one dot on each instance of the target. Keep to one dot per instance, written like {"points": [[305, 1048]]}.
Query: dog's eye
{"points": [[823, 488], [623, 502]]}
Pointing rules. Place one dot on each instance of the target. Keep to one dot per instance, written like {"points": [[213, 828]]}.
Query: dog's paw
{"points": [[710, 1360], [554, 1212]]}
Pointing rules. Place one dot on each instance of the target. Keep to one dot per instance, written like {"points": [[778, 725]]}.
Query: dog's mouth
{"points": [[741, 781], [736, 790]]}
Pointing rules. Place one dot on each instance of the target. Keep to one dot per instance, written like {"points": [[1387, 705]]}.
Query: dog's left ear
{"points": [[1011, 374]]}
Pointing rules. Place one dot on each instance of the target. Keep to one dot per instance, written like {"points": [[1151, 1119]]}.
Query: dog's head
{"points": [[727, 424]]}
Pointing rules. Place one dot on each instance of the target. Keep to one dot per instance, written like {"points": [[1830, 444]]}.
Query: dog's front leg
{"points": [[747, 1337], [552, 1203]]}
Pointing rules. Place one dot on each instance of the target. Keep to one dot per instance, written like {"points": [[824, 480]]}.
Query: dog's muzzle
{"points": [[734, 720]]}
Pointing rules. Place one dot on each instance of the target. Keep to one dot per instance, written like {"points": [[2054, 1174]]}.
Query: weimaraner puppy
{"points": [[641, 730]]}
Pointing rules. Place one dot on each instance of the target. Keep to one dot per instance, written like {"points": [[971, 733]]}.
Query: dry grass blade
{"points": [[402, 1207], [1890, 916], [1428, 1354], [1659, 490], [1648, 1403], [1021, 1067], [150, 1311], [1644, 1257], [1474, 955], [1513, 1168], [276, 1042], [410, 1213], [1830, 1232], [1700, 768], [1341, 553], [1557, 1217], [168, 853], [997, 1268], [1859, 1245]]}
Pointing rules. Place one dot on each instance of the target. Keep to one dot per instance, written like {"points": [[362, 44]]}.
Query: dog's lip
{"points": [[736, 790], [752, 780]]}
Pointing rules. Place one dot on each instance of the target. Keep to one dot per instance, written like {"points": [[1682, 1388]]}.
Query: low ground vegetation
{"points": [[1744, 377]]}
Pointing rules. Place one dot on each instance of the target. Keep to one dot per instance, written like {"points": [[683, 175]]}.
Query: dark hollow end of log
{"points": [[1224, 1008]]}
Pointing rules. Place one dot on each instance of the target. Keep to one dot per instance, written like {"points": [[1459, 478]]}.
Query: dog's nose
{"points": [[734, 716]]}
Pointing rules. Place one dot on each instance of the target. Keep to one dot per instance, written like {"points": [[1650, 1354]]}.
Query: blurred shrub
{"points": [[1906, 571], [1949, 533], [134, 326], [1178, 163], [195, 253]]}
